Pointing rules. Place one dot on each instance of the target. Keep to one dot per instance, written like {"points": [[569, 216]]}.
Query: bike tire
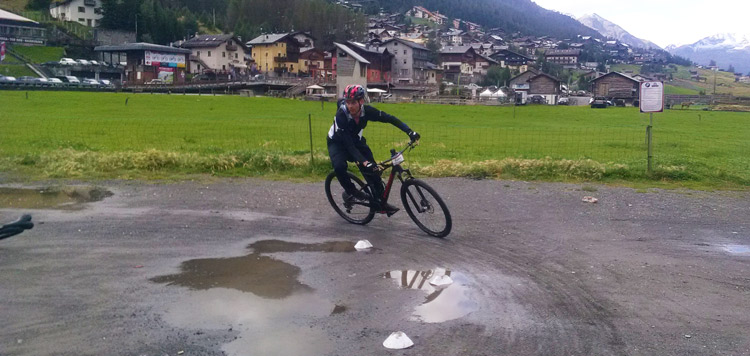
{"points": [[426, 208], [356, 213]]}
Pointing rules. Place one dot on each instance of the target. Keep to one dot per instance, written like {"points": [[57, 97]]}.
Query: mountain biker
{"points": [[346, 144]]}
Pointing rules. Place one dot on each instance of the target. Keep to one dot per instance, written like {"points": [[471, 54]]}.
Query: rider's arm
{"points": [[374, 114]]}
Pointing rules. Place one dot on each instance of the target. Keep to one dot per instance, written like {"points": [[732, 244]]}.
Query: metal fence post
{"points": [[309, 126], [650, 146]]}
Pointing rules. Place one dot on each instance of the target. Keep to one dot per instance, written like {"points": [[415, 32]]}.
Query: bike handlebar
{"points": [[395, 154]]}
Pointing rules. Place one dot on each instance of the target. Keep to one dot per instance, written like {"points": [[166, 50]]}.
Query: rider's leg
{"points": [[339, 157], [373, 180]]}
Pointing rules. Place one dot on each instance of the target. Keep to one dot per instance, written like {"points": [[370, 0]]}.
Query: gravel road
{"points": [[255, 267]]}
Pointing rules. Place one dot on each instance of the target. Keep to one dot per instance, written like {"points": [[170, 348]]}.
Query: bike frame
{"points": [[396, 171]]}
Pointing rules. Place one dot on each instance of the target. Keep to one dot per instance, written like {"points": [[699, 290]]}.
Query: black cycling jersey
{"points": [[348, 132]]}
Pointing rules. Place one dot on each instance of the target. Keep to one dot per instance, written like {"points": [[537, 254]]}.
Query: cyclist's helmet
{"points": [[354, 91]]}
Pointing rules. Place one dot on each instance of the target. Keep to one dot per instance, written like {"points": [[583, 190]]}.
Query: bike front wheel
{"points": [[426, 208], [355, 213]]}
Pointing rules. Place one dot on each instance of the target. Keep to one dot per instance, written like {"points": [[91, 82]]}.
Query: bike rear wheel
{"points": [[426, 208], [355, 213]]}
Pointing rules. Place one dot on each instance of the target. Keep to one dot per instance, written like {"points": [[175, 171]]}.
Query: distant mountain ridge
{"points": [[522, 16], [724, 48], [612, 30]]}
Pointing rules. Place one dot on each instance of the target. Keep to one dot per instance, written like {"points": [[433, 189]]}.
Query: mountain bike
{"points": [[422, 203]]}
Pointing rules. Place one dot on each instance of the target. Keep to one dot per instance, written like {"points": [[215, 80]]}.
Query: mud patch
{"points": [[271, 246], [442, 303], [66, 198]]}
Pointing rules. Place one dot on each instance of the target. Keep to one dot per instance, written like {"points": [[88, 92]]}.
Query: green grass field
{"points": [[40, 54], [107, 135]]}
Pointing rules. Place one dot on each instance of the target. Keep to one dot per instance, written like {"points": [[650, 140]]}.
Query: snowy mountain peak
{"points": [[724, 48], [724, 40], [611, 30]]}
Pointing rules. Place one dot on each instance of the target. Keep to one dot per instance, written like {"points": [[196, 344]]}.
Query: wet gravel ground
{"points": [[253, 267]]}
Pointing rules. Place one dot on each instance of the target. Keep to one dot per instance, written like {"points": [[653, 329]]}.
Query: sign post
{"points": [[651, 100]]}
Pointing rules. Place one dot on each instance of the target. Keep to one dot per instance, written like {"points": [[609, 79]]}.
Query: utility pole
{"points": [[136, 27]]}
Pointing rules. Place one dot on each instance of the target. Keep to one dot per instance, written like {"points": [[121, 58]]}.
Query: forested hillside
{"points": [[163, 21], [522, 16]]}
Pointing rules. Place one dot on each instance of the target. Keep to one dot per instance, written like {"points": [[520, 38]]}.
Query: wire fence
{"points": [[616, 145]]}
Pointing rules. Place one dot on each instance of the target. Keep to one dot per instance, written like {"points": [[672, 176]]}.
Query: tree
{"points": [[712, 63], [584, 82], [496, 75], [38, 5], [731, 69], [601, 67]]}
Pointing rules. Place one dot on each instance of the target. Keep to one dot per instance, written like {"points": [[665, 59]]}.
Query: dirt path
{"points": [[252, 267]]}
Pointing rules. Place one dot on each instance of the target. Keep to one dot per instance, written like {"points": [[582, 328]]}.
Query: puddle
{"points": [[737, 249], [255, 273], [256, 295], [261, 275], [441, 304], [51, 198]]}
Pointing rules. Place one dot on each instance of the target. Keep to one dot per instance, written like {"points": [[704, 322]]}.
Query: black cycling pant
{"points": [[339, 158]]}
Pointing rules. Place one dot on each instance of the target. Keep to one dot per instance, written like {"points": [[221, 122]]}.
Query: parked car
{"points": [[83, 62], [155, 81], [72, 80], [563, 101], [55, 81], [27, 80], [106, 83], [7, 80], [93, 62], [91, 82], [537, 99], [599, 102], [68, 61]]}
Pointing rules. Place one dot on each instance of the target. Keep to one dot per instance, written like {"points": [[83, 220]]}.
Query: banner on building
{"points": [[164, 59], [2, 51], [166, 74]]}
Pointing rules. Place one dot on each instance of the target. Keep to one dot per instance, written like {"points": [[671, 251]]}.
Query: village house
{"points": [[16, 29], [379, 69], [276, 53], [422, 13], [567, 58], [85, 12], [216, 53], [616, 86], [146, 62], [312, 63], [512, 60], [464, 61], [411, 62], [351, 68], [546, 86]]}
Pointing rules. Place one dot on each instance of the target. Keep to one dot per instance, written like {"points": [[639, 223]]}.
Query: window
{"points": [[88, 22], [81, 20], [404, 51], [198, 54], [223, 67], [235, 56], [82, 9], [209, 53], [223, 54], [362, 71], [404, 61]]}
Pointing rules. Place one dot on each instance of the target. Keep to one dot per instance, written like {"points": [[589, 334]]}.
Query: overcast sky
{"points": [[663, 22]]}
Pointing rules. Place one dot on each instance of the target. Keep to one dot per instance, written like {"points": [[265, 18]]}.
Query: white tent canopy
{"points": [[486, 93], [315, 87], [376, 90], [500, 94]]}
